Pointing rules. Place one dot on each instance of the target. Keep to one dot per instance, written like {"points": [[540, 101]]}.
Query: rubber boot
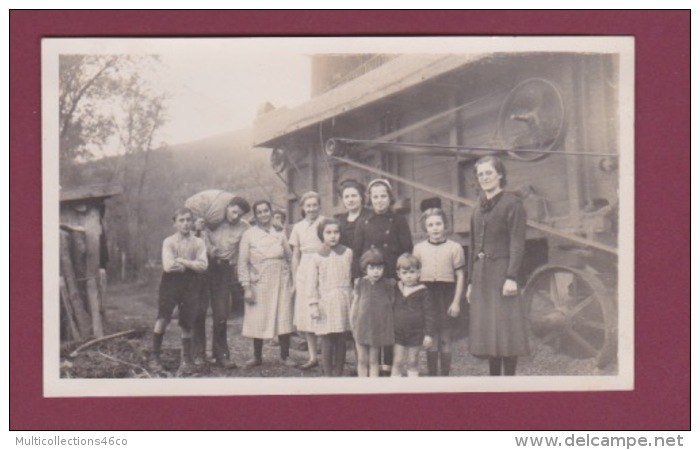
{"points": [[156, 364], [432, 358], [186, 363], [445, 363], [199, 340], [220, 346]]}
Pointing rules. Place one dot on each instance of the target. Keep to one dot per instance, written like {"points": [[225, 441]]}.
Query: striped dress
{"points": [[263, 266]]}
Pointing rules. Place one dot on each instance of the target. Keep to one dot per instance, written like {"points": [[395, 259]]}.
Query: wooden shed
{"points": [[422, 120], [83, 253]]}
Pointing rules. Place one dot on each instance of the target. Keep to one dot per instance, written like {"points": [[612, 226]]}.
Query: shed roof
{"points": [[90, 192], [396, 75]]}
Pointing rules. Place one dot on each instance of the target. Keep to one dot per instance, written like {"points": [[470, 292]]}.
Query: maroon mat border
{"points": [[661, 399]]}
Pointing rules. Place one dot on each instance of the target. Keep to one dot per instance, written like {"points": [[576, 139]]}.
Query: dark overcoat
{"points": [[347, 236], [498, 324], [388, 233]]}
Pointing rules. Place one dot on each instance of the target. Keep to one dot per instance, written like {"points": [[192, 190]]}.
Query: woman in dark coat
{"points": [[383, 229], [352, 193], [498, 314]]}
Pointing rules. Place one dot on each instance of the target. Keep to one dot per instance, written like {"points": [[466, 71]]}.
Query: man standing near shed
{"points": [[222, 248]]}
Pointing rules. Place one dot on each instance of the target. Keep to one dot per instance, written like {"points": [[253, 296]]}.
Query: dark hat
{"points": [[428, 203], [371, 256]]}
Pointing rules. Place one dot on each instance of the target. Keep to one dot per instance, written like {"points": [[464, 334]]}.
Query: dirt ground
{"points": [[133, 307]]}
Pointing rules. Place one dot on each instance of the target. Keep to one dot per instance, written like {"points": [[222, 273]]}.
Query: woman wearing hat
{"points": [[385, 231], [498, 315]]}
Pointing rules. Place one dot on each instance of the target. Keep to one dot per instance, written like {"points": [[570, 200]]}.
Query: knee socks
{"points": [[284, 345], [327, 354], [432, 358], [157, 344], [339, 354], [509, 363], [495, 366], [445, 363], [257, 349]]}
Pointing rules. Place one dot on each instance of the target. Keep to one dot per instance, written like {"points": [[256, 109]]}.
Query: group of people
{"points": [[353, 278]]}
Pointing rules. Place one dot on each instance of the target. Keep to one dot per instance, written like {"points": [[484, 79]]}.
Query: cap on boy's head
{"points": [[371, 257], [428, 203], [241, 203]]}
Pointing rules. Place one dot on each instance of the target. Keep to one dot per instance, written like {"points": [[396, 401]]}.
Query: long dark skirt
{"points": [[497, 324]]}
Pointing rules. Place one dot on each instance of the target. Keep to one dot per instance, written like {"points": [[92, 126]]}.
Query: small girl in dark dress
{"points": [[371, 315]]}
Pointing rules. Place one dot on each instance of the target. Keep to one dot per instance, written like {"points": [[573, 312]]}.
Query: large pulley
{"points": [[529, 126], [532, 117]]}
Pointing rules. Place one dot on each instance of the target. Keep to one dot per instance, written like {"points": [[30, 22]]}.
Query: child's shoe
{"points": [[252, 363], [155, 364], [289, 362]]}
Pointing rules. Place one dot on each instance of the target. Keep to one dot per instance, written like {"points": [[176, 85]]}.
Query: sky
{"points": [[213, 92]]}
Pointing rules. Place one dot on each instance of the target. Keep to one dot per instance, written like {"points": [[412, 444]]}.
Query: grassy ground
{"points": [[133, 306]]}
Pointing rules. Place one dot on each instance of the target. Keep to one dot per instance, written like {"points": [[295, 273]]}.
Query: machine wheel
{"points": [[278, 160], [572, 311], [532, 118]]}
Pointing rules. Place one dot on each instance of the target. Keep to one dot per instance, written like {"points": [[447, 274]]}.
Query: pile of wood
{"points": [[83, 284]]}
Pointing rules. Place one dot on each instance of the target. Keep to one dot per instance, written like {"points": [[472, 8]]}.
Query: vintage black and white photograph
{"points": [[259, 216]]}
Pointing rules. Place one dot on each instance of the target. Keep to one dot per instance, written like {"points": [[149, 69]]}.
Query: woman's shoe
{"points": [[309, 365]]}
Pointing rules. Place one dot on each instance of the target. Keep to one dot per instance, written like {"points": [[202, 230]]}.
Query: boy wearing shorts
{"points": [[184, 260], [414, 317]]}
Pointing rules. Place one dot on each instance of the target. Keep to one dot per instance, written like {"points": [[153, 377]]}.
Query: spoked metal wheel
{"points": [[573, 312]]}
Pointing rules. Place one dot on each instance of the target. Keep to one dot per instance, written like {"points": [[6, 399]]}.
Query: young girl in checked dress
{"points": [[330, 296]]}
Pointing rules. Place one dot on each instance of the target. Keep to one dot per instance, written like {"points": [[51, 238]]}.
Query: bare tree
{"points": [[112, 105]]}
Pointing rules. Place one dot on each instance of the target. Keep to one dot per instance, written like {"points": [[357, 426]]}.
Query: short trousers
{"points": [[181, 289], [409, 330]]}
